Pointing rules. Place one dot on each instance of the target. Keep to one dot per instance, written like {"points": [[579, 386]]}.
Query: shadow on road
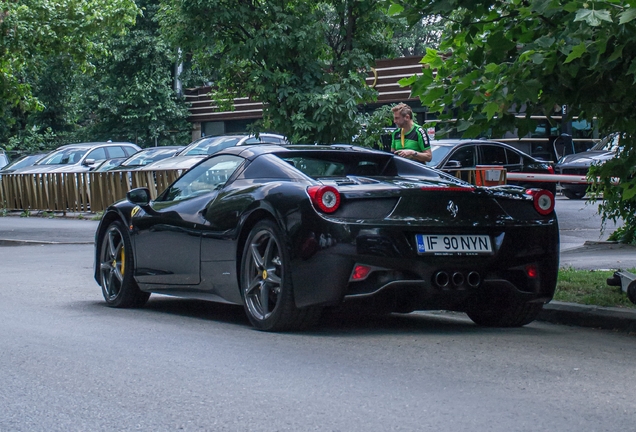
{"points": [[339, 324]]}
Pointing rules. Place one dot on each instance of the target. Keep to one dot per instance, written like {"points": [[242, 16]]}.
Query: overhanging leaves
{"points": [[564, 53]]}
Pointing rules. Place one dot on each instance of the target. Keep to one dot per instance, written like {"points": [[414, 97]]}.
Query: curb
{"points": [[606, 318], [9, 242]]}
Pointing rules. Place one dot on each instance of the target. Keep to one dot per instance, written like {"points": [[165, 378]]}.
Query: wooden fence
{"points": [[95, 191], [77, 192]]}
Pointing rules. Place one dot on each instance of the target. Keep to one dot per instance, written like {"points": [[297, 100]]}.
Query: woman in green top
{"points": [[409, 140]]}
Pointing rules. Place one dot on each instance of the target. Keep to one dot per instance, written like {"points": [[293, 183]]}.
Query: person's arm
{"points": [[423, 156]]}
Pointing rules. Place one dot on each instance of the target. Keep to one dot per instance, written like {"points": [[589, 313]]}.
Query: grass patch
{"points": [[590, 288]]}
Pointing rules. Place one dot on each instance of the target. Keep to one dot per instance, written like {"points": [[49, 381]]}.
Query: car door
{"points": [[94, 157], [514, 161], [492, 155], [464, 159], [168, 237]]}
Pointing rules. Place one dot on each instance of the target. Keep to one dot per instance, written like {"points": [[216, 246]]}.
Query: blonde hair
{"points": [[403, 109]]}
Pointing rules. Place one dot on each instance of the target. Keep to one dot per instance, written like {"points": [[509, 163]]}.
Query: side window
{"points": [[130, 151], [465, 156], [492, 155], [514, 158], [116, 152], [366, 168], [206, 177], [97, 155]]}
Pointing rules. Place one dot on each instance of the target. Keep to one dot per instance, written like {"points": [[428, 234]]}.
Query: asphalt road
{"points": [[579, 221], [69, 363]]}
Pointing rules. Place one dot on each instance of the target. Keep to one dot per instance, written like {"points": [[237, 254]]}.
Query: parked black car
{"points": [[580, 163], [460, 155], [289, 230]]}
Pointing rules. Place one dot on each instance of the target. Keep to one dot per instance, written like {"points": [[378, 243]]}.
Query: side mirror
{"points": [[452, 164], [139, 196], [88, 162]]}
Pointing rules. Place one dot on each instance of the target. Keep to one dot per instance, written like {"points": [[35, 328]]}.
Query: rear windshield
{"points": [[333, 164], [338, 164]]}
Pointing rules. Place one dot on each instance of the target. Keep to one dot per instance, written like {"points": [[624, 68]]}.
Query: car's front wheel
{"points": [[505, 314], [266, 287], [116, 269]]}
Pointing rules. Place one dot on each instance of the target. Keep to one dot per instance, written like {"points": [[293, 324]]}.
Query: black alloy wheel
{"points": [[266, 286], [116, 270]]}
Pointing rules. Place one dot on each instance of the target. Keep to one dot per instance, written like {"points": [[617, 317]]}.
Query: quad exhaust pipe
{"points": [[456, 279]]}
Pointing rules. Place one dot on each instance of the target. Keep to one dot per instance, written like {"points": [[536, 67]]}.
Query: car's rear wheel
{"points": [[572, 194], [266, 287], [116, 270], [505, 314]]}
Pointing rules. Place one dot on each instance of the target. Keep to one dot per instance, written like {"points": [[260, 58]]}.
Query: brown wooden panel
{"points": [[389, 72]]}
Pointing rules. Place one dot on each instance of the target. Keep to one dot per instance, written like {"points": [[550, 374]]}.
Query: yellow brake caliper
{"points": [[123, 261]]}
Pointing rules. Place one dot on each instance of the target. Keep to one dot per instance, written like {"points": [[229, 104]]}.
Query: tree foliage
{"points": [[33, 30], [131, 96], [373, 126], [119, 89], [306, 61], [411, 40], [500, 57]]}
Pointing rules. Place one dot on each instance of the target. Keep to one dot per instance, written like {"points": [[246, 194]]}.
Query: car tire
{"points": [[513, 314], [266, 287], [116, 269], [573, 195]]}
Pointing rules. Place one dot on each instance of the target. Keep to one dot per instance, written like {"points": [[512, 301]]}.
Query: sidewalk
{"points": [[594, 255]]}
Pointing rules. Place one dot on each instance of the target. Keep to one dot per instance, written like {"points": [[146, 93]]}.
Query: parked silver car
{"points": [[203, 147], [21, 162], [80, 157], [4, 159], [147, 156]]}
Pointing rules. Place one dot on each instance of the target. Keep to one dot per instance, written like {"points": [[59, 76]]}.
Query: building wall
{"points": [[207, 119]]}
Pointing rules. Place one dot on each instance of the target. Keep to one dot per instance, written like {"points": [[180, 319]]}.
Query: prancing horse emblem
{"points": [[452, 208]]}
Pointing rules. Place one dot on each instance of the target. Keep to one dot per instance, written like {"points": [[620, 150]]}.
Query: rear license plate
{"points": [[453, 244]]}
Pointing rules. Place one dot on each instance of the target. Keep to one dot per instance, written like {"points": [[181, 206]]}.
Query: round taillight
{"points": [[326, 198], [543, 201]]}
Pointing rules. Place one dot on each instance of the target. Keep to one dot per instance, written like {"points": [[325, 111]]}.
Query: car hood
{"points": [[177, 162], [35, 169], [586, 158], [71, 168]]}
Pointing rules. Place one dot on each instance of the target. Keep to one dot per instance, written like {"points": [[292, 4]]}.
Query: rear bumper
{"points": [[523, 265]]}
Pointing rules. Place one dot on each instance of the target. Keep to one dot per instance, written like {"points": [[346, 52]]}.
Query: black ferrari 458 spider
{"points": [[289, 231]]}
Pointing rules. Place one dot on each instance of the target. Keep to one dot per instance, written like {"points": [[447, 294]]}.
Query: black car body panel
{"points": [[193, 247]]}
